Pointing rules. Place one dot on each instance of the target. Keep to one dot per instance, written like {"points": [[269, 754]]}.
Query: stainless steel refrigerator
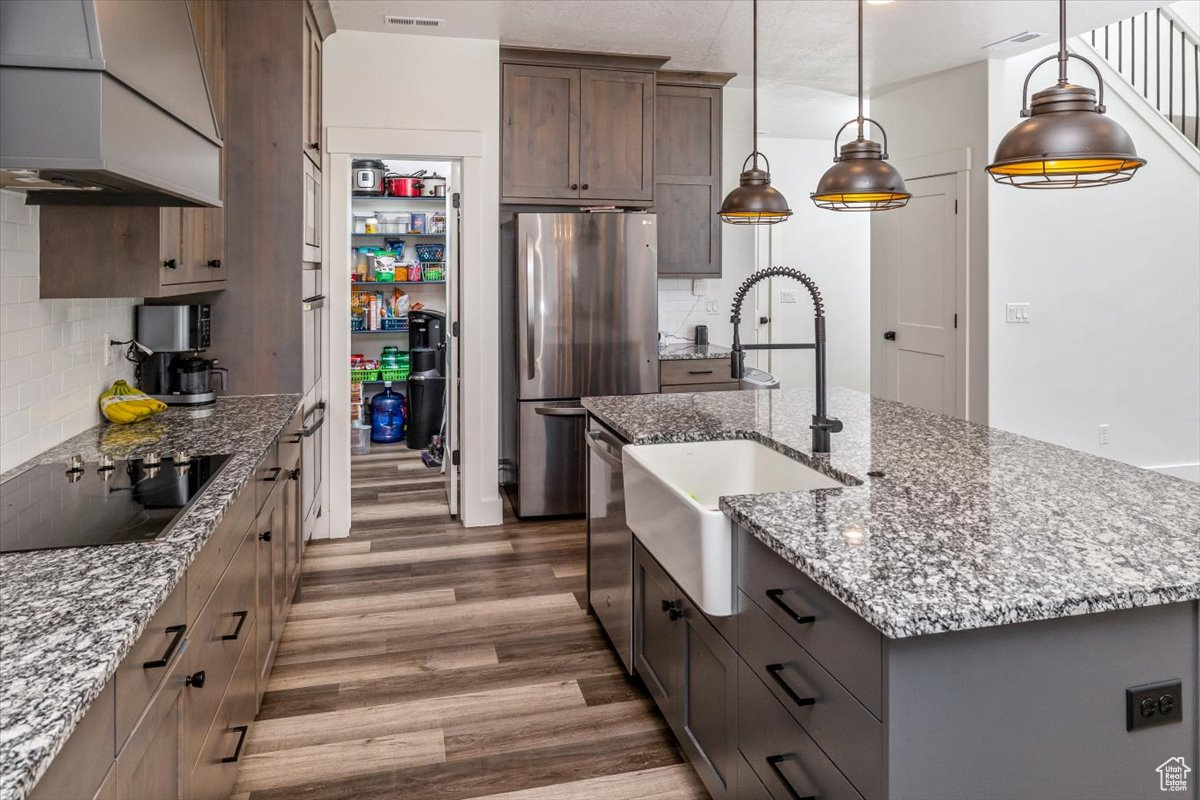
{"points": [[579, 318]]}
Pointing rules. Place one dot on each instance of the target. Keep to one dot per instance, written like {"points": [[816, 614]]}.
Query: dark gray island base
{"points": [[966, 627]]}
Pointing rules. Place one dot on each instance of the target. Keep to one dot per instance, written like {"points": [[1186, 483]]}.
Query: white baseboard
{"points": [[1189, 472]]}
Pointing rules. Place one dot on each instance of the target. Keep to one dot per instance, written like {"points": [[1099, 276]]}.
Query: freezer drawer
{"points": [[610, 542], [551, 459]]}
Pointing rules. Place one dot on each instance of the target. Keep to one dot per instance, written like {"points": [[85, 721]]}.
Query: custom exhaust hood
{"points": [[104, 102]]}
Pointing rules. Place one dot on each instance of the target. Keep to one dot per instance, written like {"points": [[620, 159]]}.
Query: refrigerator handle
{"points": [[530, 306]]}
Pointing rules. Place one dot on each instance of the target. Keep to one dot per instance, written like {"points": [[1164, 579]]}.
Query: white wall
{"points": [[935, 114], [51, 351], [679, 311], [1113, 285], [419, 83], [835, 250]]}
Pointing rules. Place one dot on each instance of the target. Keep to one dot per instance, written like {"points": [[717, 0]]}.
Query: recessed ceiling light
{"points": [[878, 2]]}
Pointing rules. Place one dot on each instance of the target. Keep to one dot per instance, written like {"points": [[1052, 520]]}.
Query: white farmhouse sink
{"points": [[671, 494]]}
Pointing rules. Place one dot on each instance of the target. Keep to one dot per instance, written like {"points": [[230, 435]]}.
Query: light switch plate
{"points": [[787, 295], [1016, 313], [107, 346]]}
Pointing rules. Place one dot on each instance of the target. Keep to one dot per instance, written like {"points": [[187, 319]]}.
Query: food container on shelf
{"points": [[414, 272], [434, 272], [431, 252], [371, 225], [385, 269], [399, 324], [417, 223], [360, 223], [436, 222], [404, 185], [360, 439]]}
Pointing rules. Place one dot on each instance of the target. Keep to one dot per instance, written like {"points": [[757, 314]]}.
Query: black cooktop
{"points": [[52, 506]]}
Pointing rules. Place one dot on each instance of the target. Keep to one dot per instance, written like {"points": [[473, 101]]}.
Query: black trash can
{"points": [[426, 404]]}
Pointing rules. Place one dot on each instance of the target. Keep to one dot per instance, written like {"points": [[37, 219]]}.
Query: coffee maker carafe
{"points": [[173, 371]]}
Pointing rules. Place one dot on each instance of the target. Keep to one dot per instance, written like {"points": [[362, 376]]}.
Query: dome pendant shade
{"points": [[861, 180], [1066, 142], [754, 201]]}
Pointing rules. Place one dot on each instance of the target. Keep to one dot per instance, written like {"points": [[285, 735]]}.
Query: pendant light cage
{"points": [[1065, 140], [861, 179], [754, 201]]}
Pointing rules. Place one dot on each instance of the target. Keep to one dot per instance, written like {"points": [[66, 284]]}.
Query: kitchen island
{"points": [[961, 619], [71, 616]]}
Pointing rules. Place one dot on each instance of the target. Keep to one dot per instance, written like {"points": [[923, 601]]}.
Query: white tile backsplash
{"points": [[679, 311], [51, 351]]}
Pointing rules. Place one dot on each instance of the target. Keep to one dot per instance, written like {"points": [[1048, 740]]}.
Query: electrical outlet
{"points": [[1153, 704], [787, 295], [1102, 433], [1016, 313], [698, 287], [714, 307], [107, 346]]}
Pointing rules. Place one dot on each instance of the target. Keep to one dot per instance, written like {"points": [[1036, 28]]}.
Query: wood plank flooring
{"points": [[425, 661]]}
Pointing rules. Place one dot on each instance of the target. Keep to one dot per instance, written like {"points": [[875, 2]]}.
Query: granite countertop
{"points": [[70, 616], [968, 527], [684, 351]]}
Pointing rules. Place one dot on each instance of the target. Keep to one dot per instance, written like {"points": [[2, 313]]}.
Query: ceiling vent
{"points": [[413, 22], [1018, 39]]}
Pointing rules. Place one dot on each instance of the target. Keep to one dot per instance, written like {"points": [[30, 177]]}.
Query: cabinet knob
{"points": [[215, 263], [574, 187], [265, 536], [889, 335], [314, 145], [195, 679], [584, 187], [672, 609], [169, 263]]}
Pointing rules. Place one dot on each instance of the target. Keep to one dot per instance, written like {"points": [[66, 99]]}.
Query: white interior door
{"points": [[453, 360], [917, 248]]}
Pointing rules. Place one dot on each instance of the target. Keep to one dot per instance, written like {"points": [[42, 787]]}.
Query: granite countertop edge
{"points": [[187, 538]]}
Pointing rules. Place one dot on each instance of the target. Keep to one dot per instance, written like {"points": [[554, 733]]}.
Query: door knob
{"points": [[889, 335], [169, 263], [763, 320]]}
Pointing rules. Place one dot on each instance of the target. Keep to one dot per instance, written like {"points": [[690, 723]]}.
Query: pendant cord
{"points": [[860, 70], [1062, 42], [755, 84]]}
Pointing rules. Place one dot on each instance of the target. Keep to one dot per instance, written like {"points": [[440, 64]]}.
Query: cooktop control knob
{"points": [[104, 462], [75, 463], [151, 459], [181, 457]]}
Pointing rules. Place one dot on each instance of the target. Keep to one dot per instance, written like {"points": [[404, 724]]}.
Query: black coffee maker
{"points": [[173, 371], [427, 380]]}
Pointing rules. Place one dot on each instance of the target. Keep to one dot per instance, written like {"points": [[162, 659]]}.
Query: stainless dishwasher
{"points": [[610, 542]]}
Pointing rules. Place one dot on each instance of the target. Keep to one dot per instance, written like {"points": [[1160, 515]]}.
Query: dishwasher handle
{"points": [[596, 441]]}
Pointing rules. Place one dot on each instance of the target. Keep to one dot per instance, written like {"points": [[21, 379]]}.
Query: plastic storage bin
{"points": [[360, 439]]}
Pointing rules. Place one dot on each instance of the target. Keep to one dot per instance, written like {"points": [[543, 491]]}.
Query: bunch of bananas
{"points": [[123, 404]]}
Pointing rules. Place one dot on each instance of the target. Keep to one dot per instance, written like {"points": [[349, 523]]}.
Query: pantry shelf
{"points": [[408, 235], [397, 283]]}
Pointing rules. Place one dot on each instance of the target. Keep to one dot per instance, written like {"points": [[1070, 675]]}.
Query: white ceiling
{"points": [[803, 43]]}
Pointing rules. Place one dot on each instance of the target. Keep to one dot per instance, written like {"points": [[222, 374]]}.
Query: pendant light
{"points": [[755, 201], [861, 179], [1066, 142]]}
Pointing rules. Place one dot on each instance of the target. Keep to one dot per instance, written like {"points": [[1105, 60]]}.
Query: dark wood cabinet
{"points": [[577, 128], [687, 182], [149, 763], [690, 671], [312, 88]]}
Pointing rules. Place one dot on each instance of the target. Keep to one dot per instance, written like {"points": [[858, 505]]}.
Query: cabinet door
{"points": [[687, 188], [658, 634], [708, 716], [266, 623], [616, 135], [170, 237], [540, 147], [312, 212], [292, 524], [312, 88], [279, 581], [148, 767]]}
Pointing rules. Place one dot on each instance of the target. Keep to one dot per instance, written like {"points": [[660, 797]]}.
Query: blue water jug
{"points": [[387, 416]]}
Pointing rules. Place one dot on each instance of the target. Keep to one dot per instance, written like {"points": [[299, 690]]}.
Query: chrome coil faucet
{"points": [[822, 424]]}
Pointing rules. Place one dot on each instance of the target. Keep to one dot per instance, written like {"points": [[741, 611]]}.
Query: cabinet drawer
{"points": [[674, 388], [749, 787], [216, 769], [784, 757], [844, 644], [206, 571], [288, 443], [225, 625], [694, 370], [266, 476], [150, 661], [80, 766], [839, 724]]}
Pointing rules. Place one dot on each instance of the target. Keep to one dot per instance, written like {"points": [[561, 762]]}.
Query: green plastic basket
{"points": [[394, 375], [363, 375]]}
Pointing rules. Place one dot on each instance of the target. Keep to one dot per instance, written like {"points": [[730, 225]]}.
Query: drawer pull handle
{"points": [[672, 610], [773, 762], [237, 751], [773, 670], [274, 474], [700, 372], [776, 595], [176, 632], [265, 536], [195, 679], [230, 637]]}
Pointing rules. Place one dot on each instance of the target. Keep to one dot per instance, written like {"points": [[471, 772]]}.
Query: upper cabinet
{"points": [[312, 88], [687, 184], [577, 128]]}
